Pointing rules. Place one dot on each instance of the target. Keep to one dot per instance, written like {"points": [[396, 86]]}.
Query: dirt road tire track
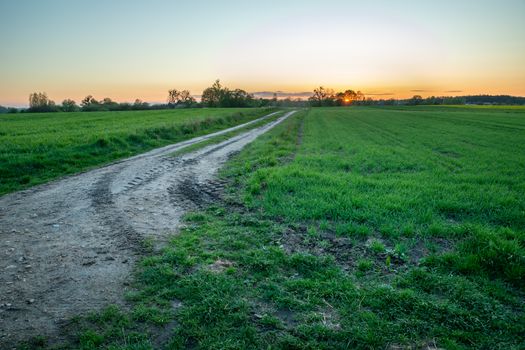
{"points": [[69, 246]]}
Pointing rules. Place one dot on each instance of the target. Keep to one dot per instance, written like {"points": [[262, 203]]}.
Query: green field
{"points": [[354, 228], [39, 147], [345, 228]]}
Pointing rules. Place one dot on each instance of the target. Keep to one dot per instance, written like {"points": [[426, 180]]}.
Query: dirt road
{"points": [[70, 246]]}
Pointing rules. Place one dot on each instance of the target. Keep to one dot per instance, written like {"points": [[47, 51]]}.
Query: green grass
{"points": [[346, 228], [458, 108], [36, 148]]}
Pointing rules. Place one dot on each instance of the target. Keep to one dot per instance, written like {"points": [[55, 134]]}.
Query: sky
{"points": [[128, 49]]}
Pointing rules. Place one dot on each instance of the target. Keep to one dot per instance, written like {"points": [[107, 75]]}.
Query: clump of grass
{"points": [[495, 254], [364, 265], [400, 250], [377, 247], [352, 230]]}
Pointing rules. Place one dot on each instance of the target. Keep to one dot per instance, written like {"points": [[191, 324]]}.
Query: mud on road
{"points": [[70, 246]]}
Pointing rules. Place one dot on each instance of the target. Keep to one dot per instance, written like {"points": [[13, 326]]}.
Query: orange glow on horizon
{"points": [[158, 94]]}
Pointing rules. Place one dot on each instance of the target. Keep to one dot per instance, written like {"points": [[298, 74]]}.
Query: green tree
{"points": [[235, 98], [219, 96], [213, 95], [69, 105]]}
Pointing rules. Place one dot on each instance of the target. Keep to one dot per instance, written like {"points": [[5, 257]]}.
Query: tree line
{"points": [[447, 100], [216, 95], [40, 102], [220, 96], [328, 97]]}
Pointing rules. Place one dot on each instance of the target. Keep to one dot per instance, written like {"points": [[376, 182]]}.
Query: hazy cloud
{"points": [[446, 91], [379, 94], [269, 94]]}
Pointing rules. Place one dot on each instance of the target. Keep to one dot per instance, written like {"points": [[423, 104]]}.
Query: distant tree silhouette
{"points": [[69, 105], [415, 100], [39, 102], [323, 97], [212, 96], [173, 97], [349, 97], [109, 105], [139, 105], [235, 98], [219, 96], [90, 104], [88, 100], [178, 98]]}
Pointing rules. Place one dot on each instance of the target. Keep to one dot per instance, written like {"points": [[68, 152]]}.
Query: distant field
{"points": [[35, 148], [458, 108], [410, 171]]}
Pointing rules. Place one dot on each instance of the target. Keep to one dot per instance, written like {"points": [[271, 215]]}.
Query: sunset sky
{"points": [[139, 49]]}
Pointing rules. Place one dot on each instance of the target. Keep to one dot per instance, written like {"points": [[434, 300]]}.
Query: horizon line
{"points": [[281, 95]]}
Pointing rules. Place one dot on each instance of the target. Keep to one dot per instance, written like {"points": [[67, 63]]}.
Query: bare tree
{"points": [[177, 98], [39, 102], [323, 97], [173, 96], [186, 98], [38, 99], [88, 100]]}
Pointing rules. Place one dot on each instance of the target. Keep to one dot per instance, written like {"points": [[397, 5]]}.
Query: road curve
{"points": [[70, 246]]}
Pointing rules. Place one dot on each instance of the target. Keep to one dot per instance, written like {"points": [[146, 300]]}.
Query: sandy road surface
{"points": [[70, 246]]}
